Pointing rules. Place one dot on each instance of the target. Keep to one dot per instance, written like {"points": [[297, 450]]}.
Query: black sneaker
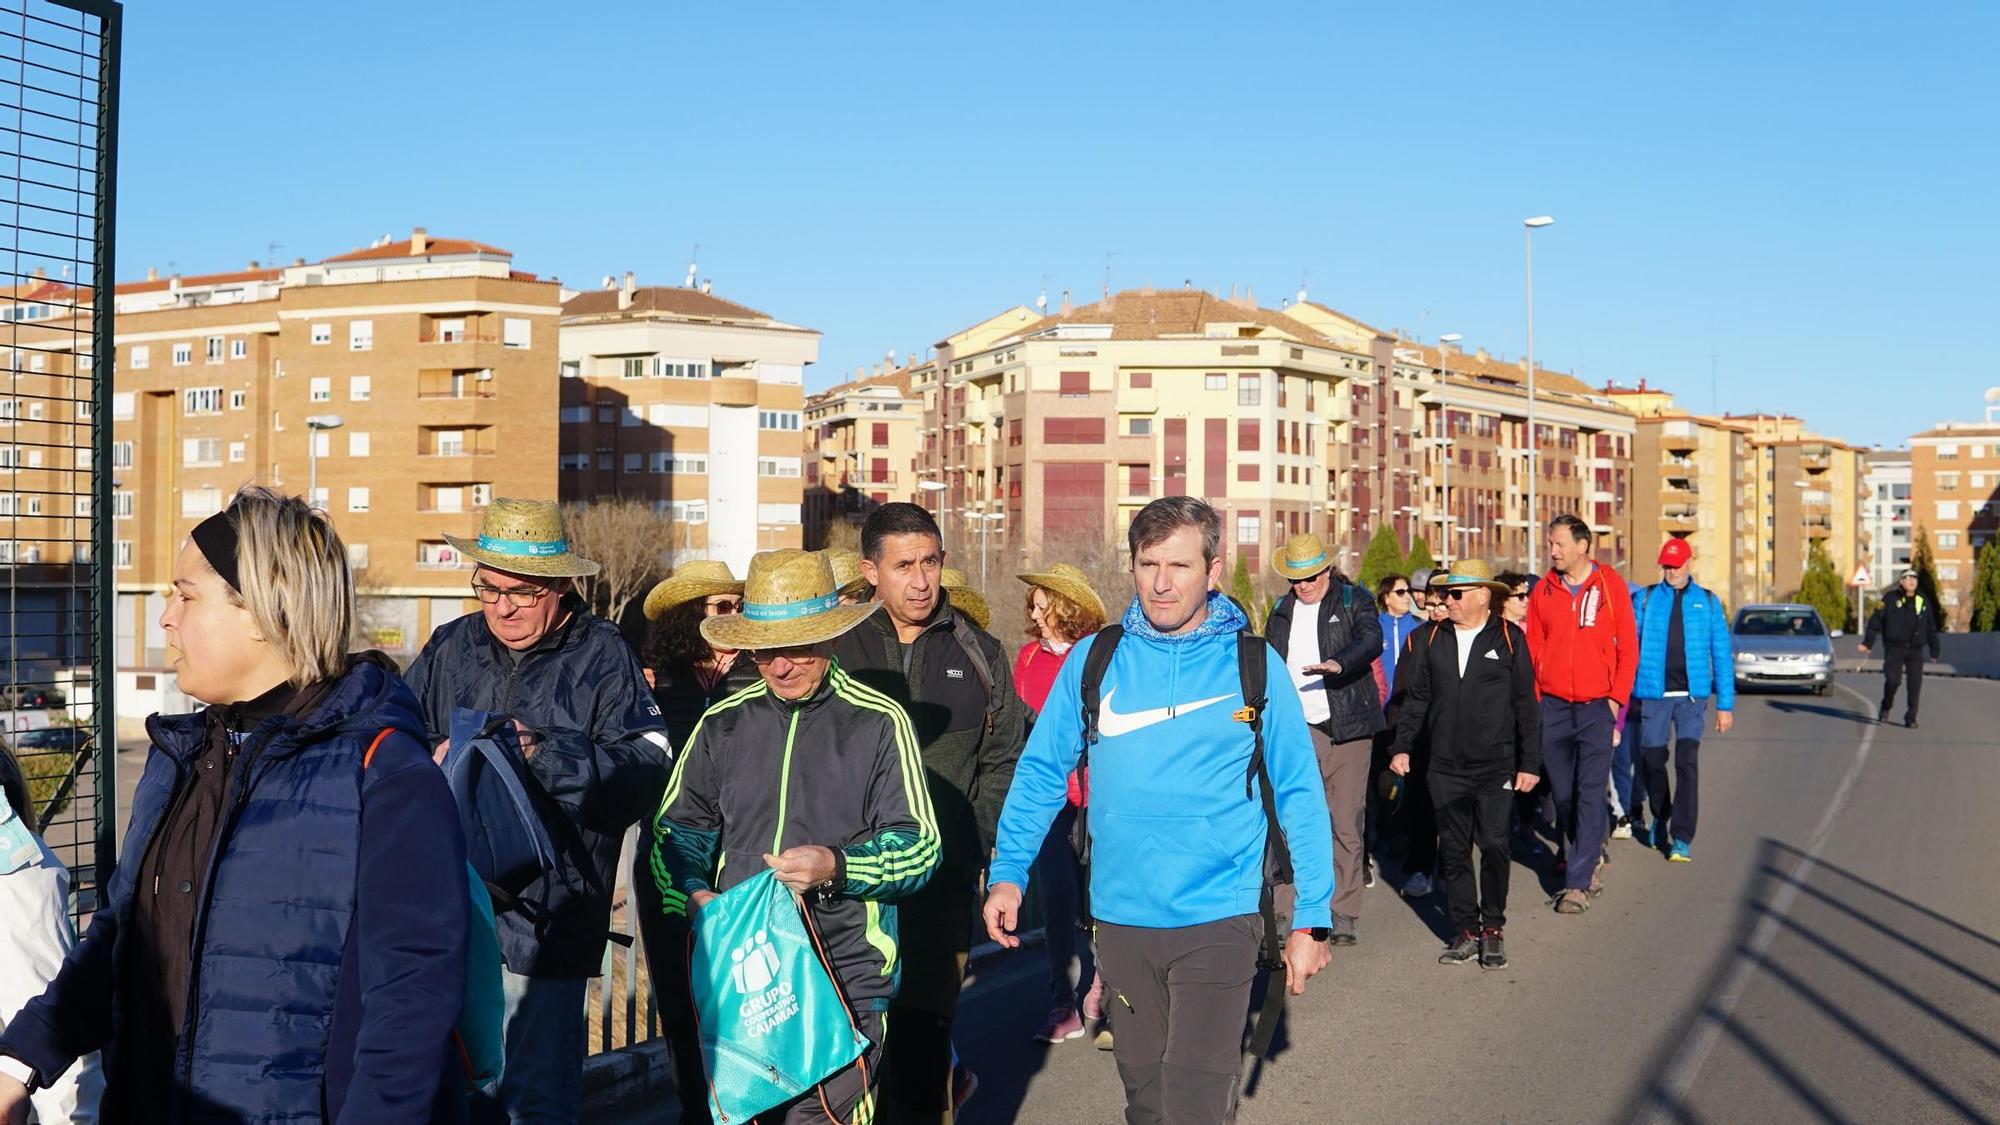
{"points": [[1465, 949], [1911, 722], [1492, 949], [1343, 930], [1882, 716]]}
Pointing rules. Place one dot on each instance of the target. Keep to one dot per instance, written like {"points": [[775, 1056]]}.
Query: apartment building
{"points": [[1063, 426], [692, 402], [1806, 491], [1955, 499], [394, 374], [1886, 515], [45, 427], [862, 439], [1694, 479]]}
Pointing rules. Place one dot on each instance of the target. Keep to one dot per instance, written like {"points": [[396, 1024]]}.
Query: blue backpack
{"points": [[481, 1034], [773, 1023], [505, 840]]}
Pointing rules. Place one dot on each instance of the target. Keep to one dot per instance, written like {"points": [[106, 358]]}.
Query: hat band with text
{"points": [[522, 547], [785, 611]]}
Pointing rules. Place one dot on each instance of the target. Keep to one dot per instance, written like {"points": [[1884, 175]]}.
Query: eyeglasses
{"points": [[518, 598], [795, 654], [1401, 591], [723, 607]]}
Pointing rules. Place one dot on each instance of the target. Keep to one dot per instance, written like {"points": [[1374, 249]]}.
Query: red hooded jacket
{"points": [[1586, 645]]}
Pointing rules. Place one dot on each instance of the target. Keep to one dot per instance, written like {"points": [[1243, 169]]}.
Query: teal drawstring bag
{"points": [[773, 1023]]}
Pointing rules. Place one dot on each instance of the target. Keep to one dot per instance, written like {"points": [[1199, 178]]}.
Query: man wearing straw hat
{"points": [[957, 683], [815, 776], [1327, 633], [1472, 687], [592, 742]]}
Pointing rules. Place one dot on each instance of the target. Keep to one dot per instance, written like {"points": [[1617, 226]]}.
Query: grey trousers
{"points": [[1343, 769], [1179, 998]]}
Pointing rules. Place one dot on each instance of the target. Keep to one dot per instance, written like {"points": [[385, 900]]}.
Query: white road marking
{"points": [[1669, 1096]]}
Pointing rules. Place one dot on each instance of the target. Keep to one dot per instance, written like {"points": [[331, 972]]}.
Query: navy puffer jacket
{"points": [[330, 947]]}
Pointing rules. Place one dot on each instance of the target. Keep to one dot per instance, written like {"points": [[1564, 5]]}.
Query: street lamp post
{"points": [[1444, 413], [1414, 515], [315, 423], [986, 522], [1534, 450], [936, 488]]}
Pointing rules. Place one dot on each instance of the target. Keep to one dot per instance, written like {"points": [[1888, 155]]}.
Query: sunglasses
{"points": [[1456, 595], [1306, 581], [723, 607], [1401, 591]]}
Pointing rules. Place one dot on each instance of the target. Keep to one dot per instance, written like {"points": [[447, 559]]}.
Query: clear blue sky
{"points": [[1807, 193]]}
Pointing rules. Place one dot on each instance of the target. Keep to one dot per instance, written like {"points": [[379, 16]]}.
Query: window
{"points": [[121, 505], [433, 553], [123, 405], [572, 368], [572, 415], [603, 461], [360, 335], [357, 556], [1248, 529], [635, 462], [878, 434], [1947, 482], [778, 467], [121, 454], [1076, 384], [1947, 572], [1249, 390], [201, 400], [451, 331], [634, 367], [322, 334], [200, 502], [213, 350], [664, 368], [777, 419], [35, 509], [450, 443], [672, 463], [631, 418], [320, 389], [1947, 453], [607, 414], [141, 356], [778, 513], [1215, 381], [1138, 480], [1947, 540], [123, 552], [1249, 471], [1142, 380], [360, 388], [1947, 509], [1249, 438], [201, 451], [574, 461], [239, 348], [238, 399], [183, 354], [1072, 431], [514, 332], [236, 451], [1139, 427], [357, 443]]}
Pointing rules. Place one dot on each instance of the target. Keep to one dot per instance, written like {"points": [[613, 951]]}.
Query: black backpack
{"points": [[1251, 651]]}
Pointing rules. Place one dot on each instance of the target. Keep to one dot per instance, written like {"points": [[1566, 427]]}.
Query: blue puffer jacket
{"points": [[1711, 656], [331, 943]]}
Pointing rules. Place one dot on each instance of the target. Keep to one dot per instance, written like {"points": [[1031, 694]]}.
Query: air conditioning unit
{"points": [[482, 495]]}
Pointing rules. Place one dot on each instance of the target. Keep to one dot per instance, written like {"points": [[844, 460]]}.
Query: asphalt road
{"points": [[1832, 955]]}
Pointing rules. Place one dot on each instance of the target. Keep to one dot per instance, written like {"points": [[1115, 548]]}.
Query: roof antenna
{"points": [[1303, 275], [1108, 255], [1042, 302], [271, 251], [694, 259]]}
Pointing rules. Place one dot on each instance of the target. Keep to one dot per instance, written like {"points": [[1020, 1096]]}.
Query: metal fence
{"points": [[58, 156]]}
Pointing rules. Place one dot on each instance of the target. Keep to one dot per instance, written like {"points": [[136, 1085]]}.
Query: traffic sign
{"points": [[1862, 577]]}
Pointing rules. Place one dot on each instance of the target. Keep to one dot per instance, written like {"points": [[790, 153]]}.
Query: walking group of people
{"points": [[317, 859]]}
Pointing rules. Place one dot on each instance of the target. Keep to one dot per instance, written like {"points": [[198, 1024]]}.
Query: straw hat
{"points": [[524, 537], [703, 578], [964, 598], [1302, 557], [846, 564], [1071, 583], [789, 600], [1469, 572]]}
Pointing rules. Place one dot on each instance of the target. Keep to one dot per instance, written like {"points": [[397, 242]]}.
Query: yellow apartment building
{"points": [[690, 401], [1698, 482], [1955, 500], [862, 439]]}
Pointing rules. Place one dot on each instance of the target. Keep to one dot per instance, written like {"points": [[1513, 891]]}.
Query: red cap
{"points": [[1676, 553]]}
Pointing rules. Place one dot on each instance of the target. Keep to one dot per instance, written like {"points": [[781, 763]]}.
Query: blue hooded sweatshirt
{"points": [[1175, 839]]}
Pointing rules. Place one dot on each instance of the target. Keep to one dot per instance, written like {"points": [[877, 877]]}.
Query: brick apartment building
{"points": [[1955, 500]]}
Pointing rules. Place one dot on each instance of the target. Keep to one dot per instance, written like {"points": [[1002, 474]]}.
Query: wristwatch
{"points": [[20, 1072], [1319, 934]]}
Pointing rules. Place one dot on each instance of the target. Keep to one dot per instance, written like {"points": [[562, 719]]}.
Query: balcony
{"points": [[1679, 523], [1680, 436], [1673, 496], [465, 350]]}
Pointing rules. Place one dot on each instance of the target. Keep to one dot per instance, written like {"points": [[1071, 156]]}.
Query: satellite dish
{"points": [[1993, 396], [609, 281]]}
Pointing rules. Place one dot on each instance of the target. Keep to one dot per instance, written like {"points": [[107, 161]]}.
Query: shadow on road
{"points": [[1822, 710], [1841, 997]]}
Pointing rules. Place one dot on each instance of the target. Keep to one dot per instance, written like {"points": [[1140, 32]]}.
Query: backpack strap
{"points": [[968, 639], [1251, 668], [1095, 663]]}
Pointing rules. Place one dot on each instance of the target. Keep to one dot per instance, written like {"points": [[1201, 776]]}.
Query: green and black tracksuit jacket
{"points": [[839, 768]]}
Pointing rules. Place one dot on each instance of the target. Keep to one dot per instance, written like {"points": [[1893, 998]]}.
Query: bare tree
{"points": [[1101, 559], [628, 540]]}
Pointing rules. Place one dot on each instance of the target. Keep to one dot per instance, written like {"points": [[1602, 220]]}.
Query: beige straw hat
{"points": [[847, 577], [1070, 582], [964, 598], [703, 578], [524, 537], [789, 601], [1469, 572], [1302, 557]]}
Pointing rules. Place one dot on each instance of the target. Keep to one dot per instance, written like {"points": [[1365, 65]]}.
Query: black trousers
{"points": [[1897, 662], [1181, 996], [666, 945], [1474, 811]]}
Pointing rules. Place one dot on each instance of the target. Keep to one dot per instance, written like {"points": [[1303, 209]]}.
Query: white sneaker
{"points": [[1623, 830], [1418, 886]]}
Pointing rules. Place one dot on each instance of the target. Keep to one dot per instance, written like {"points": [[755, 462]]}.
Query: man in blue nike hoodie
{"points": [[1177, 841]]}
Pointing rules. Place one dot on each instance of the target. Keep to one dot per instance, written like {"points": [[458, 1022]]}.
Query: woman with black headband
{"points": [[285, 938]]}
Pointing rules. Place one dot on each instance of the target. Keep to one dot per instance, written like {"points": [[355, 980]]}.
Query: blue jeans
{"points": [[1628, 782], [543, 1082], [1674, 724]]}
